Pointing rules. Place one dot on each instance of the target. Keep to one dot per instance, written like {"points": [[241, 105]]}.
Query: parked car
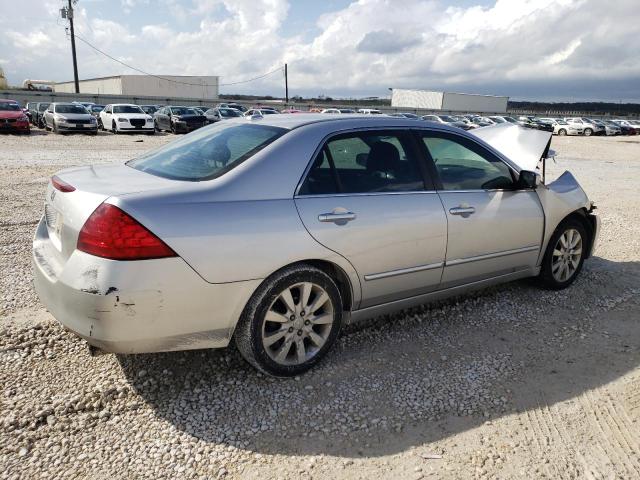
{"points": [[609, 128], [125, 117], [95, 109], [635, 124], [482, 121], [503, 119], [69, 118], [217, 114], [588, 128], [178, 119], [369, 111], [560, 127], [537, 123], [338, 110], [27, 109], [446, 120], [268, 233], [86, 105], [291, 110], [233, 105], [12, 118], [463, 118], [260, 112], [37, 114], [411, 116], [626, 127], [150, 109]]}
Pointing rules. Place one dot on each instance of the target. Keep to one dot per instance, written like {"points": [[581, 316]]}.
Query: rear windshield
{"points": [[207, 153], [70, 109], [127, 109]]}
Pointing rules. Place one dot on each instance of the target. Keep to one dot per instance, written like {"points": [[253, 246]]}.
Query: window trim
{"points": [[464, 139], [427, 180]]}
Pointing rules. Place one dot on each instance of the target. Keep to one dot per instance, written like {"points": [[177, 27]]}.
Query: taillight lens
{"points": [[111, 233], [61, 185]]}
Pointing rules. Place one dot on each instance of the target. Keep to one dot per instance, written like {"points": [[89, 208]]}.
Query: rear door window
{"points": [[365, 162]]}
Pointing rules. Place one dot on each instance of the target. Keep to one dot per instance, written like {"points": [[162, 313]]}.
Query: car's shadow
{"points": [[411, 378]]}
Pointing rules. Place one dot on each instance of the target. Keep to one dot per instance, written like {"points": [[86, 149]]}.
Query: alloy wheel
{"points": [[566, 255], [297, 324]]}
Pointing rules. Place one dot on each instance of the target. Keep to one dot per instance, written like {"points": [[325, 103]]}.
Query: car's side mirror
{"points": [[529, 179]]}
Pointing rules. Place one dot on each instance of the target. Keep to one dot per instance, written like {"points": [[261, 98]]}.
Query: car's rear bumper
{"points": [[136, 306]]}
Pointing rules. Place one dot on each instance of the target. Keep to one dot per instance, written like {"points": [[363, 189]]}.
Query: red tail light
{"points": [[61, 185], [111, 233]]}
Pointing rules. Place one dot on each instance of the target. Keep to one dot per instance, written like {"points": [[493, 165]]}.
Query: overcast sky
{"points": [[564, 50]]}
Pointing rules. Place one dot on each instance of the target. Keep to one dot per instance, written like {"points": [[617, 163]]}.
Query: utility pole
{"points": [[286, 83], [68, 14]]}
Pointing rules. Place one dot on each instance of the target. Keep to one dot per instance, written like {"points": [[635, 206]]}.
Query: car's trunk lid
{"points": [[66, 212]]}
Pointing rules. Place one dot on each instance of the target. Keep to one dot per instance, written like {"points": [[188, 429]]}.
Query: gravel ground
{"points": [[510, 382]]}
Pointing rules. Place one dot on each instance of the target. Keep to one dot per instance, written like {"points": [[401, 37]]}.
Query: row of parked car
{"points": [[88, 117], [558, 126]]}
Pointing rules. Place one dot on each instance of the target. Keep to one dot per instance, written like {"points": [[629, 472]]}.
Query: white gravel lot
{"points": [[510, 382]]}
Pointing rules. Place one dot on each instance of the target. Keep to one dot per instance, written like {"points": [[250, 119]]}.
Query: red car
{"points": [[12, 118]]}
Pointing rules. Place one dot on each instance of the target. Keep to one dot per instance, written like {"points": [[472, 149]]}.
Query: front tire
{"points": [[291, 321], [565, 254], [587, 132], [562, 132]]}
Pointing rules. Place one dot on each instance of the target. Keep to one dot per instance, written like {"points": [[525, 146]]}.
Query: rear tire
{"points": [[587, 132], [54, 127], [290, 322], [562, 132], [114, 129], [564, 257]]}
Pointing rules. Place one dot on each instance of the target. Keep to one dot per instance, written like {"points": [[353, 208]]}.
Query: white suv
{"points": [[125, 117], [560, 127]]}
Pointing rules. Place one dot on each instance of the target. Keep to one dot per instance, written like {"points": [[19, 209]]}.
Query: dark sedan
{"points": [[178, 119]]}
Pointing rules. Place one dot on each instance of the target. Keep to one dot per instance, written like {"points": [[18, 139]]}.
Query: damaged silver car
{"points": [[275, 232]]}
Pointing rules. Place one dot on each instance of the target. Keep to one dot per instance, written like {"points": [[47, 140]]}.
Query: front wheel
{"points": [[564, 257], [291, 321], [587, 132]]}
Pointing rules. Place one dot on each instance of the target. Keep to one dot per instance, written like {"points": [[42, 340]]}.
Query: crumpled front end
{"points": [[561, 198]]}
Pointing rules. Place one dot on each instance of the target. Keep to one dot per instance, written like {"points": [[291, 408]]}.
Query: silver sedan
{"points": [[274, 232]]}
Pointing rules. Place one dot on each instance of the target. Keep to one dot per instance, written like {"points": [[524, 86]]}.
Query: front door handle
{"points": [[337, 217], [462, 210]]}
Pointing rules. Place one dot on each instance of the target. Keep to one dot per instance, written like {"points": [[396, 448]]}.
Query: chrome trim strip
{"points": [[403, 271], [460, 261], [367, 194]]}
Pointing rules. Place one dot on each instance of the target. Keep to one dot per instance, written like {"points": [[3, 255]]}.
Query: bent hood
{"points": [[523, 146]]}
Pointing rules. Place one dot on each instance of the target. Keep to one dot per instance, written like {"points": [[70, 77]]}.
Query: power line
{"points": [[279, 69]]}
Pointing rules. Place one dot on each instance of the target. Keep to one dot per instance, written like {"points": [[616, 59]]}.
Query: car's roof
{"points": [[123, 105], [348, 120], [7, 100]]}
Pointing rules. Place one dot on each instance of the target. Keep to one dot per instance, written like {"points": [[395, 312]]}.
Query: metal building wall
{"points": [[416, 99], [463, 102]]}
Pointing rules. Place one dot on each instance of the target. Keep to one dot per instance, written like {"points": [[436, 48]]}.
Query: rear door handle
{"points": [[342, 217], [462, 210]]}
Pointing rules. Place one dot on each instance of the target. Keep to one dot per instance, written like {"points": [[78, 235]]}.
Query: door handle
{"points": [[462, 210], [337, 217]]}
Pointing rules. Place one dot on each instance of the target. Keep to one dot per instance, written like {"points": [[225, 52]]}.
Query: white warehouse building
{"points": [[144, 85], [456, 102]]}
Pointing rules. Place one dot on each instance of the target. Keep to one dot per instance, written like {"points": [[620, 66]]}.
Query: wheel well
{"points": [[338, 275], [582, 216]]}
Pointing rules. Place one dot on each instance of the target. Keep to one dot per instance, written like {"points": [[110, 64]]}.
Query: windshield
{"points": [[410, 115], [97, 108], [510, 119], [561, 122], [447, 118], [79, 109], [183, 111], [498, 120], [268, 112], [127, 109], [9, 107], [207, 153], [43, 106], [347, 110], [149, 109]]}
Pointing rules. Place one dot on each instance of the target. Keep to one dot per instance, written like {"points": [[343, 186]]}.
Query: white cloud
{"points": [[543, 48]]}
